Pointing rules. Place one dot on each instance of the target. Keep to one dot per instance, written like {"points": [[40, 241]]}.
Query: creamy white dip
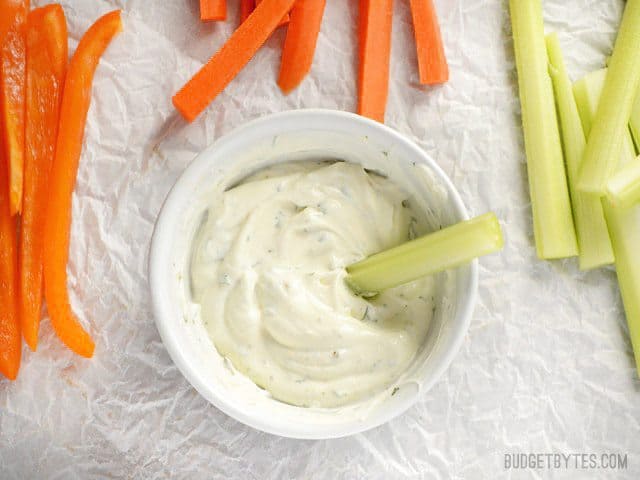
{"points": [[267, 270]]}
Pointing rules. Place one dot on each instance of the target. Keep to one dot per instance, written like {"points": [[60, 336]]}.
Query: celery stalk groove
{"points": [[611, 119], [623, 223], [591, 227], [447, 248], [552, 218]]}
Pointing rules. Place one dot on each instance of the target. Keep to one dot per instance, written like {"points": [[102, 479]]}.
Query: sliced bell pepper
{"points": [[73, 114], [10, 342], [13, 21], [47, 59]]}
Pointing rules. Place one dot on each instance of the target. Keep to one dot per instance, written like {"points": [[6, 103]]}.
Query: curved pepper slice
{"points": [[13, 21], [73, 114], [47, 59]]}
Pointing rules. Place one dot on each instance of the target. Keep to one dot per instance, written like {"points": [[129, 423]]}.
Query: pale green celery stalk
{"points": [[624, 223], [610, 123], [634, 121], [447, 248], [552, 219], [591, 227], [623, 189], [588, 92]]}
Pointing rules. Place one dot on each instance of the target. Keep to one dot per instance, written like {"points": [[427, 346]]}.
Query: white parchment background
{"points": [[546, 365]]}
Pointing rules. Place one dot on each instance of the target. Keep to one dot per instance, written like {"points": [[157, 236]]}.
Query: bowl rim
{"points": [[159, 280]]}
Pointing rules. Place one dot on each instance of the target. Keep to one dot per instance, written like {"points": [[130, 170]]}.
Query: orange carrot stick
{"points": [[13, 20], [73, 114], [432, 63], [374, 50], [213, 77], [46, 66], [363, 5], [246, 7], [211, 10], [300, 42], [10, 342], [285, 18]]}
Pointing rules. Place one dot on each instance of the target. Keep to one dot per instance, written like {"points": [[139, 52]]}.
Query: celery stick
{"points": [[624, 228], [447, 248], [634, 121], [610, 122], [552, 220], [588, 92], [623, 189], [624, 223], [591, 227]]}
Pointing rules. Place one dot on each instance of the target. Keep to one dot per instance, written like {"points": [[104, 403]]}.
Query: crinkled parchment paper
{"points": [[546, 365]]}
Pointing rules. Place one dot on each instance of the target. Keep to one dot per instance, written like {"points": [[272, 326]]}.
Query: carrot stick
{"points": [[13, 20], [374, 50], [46, 66], [212, 10], [432, 63], [216, 74], [285, 18], [10, 342], [363, 6], [246, 7], [300, 42], [73, 114]]}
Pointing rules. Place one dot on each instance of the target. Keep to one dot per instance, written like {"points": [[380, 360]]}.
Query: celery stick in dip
{"points": [[268, 271]]}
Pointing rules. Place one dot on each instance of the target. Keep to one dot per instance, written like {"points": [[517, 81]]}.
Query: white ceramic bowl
{"points": [[300, 135]]}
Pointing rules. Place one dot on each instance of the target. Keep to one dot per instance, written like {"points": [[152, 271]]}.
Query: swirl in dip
{"points": [[268, 273]]}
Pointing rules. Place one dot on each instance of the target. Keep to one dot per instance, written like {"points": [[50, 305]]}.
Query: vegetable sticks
{"points": [[447, 248], [591, 227], [285, 18], [552, 218], [13, 21], [300, 42], [634, 121], [213, 10], [216, 74], [432, 62], [10, 341], [623, 188], [73, 114], [246, 7], [610, 123], [46, 66], [624, 224], [374, 51]]}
